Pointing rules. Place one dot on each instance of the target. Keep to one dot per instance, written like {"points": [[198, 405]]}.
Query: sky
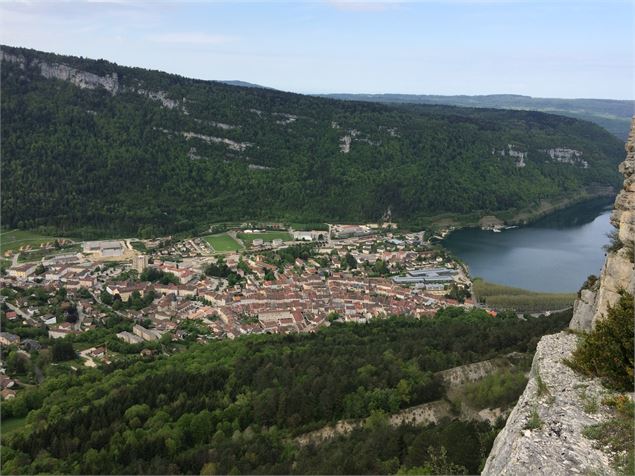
{"points": [[541, 48]]}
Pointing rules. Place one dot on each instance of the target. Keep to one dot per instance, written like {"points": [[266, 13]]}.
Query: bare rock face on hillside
{"points": [[544, 433], [617, 273], [81, 79]]}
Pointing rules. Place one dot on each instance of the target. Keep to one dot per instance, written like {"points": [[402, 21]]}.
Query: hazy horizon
{"points": [[566, 49], [361, 93]]}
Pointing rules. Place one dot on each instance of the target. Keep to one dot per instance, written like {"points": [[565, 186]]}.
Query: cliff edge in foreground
{"points": [[617, 272], [544, 432]]}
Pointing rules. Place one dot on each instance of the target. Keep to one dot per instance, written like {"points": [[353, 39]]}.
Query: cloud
{"points": [[192, 38]]}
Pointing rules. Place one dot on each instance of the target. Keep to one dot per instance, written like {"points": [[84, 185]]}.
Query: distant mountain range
{"points": [[613, 115], [91, 147]]}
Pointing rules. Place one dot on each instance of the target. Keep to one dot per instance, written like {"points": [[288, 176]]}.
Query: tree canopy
{"points": [[167, 154], [235, 406]]}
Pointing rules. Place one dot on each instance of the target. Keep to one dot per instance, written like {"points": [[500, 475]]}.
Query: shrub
{"points": [[588, 284], [617, 433], [534, 422], [615, 244], [607, 351]]}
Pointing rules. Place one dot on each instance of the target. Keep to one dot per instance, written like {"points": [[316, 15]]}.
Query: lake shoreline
{"points": [[512, 217], [552, 254]]}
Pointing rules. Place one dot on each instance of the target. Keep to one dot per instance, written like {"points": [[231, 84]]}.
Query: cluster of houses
{"points": [[302, 295], [299, 297], [9, 385]]}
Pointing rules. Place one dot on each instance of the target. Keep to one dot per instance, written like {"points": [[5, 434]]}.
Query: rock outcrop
{"points": [[472, 372], [617, 273], [544, 432], [87, 80], [81, 79], [435, 411]]}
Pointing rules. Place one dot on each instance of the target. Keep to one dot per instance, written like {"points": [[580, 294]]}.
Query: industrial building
{"points": [[104, 248]]}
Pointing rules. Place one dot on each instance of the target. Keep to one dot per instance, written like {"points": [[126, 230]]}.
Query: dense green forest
{"points": [[148, 153], [612, 114], [236, 406]]}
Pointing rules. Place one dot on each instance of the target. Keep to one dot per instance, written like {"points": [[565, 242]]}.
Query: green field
{"points": [[500, 297], [14, 239], [248, 238], [222, 242], [11, 424]]}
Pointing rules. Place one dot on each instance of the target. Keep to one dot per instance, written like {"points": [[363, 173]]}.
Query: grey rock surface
{"points": [[543, 434], [618, 271], [557, 399]]}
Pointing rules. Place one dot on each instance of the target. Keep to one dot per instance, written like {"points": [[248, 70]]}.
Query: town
{"points": [[105, 300]]}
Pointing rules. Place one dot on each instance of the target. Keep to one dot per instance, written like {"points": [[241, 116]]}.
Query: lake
{"points": [[553, 254]]}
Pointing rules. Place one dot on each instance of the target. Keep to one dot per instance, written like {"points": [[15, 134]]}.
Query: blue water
{"points": [[554, 254]]}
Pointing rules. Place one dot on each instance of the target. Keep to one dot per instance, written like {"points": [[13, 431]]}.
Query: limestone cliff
{"points": [[79, 78], [617, 272], [544, 432], [87, 80]]}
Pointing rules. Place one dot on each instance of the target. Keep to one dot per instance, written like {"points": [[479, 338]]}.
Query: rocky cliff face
{"points": [[79, 78], [87, 80], [544, 432], [617, 273]]}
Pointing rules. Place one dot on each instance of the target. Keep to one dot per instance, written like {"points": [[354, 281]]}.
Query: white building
{"points": [[104, 248], [22, 271], [312, 235], [146, 334], [129, 338]]}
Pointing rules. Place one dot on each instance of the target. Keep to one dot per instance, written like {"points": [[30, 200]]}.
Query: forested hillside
{"points": [[236, 406], [92, 147], [614, 115]]}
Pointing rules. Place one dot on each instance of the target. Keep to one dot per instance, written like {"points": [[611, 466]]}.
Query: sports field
{"points": [[15, 239], [222, 242]]}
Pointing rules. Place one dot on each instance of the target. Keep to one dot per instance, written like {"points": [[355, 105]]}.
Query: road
{"points": [[21, 313]]}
